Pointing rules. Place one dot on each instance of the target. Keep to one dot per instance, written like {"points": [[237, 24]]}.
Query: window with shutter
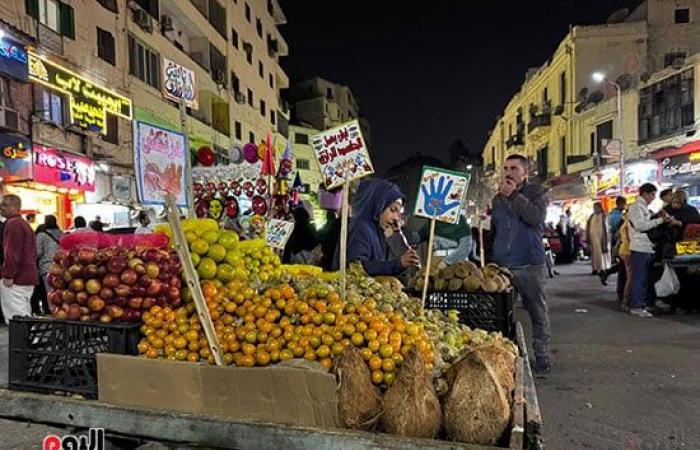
{"points": [[105, 46], [67, 20]]}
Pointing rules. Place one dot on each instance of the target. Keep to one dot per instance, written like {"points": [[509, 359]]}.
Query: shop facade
{"points": [[680, 168], [605, 181]]}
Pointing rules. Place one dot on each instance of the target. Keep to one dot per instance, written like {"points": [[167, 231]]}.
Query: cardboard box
{"points": [[272, 394]]}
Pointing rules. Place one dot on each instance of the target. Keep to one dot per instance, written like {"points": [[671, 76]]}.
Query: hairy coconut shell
{"points": [[454, 284], [411, 406], [447, 273], [476, 409], [359, 401], [502, 361]]}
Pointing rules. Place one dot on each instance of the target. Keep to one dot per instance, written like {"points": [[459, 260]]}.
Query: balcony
{"points": [[275, 10], [540, 123], [516, 141]]}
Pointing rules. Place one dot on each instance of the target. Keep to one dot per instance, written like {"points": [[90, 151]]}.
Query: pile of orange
{"points": [[275, 325]]}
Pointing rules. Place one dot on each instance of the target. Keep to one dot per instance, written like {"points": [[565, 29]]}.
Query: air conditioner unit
{"points": [[240, 98], [166, 23], [9, 119], [143, 20]]}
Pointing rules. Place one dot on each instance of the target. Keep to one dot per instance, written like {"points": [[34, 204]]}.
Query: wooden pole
{"points": [[481, 242], [429, 260], [344, 238], [192, 280], [188, 167]]}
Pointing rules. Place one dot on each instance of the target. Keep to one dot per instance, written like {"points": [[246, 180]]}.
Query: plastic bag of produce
{"points": [[359, 401], [476, 409], [411, 406], [101, 240], [668, 285]]}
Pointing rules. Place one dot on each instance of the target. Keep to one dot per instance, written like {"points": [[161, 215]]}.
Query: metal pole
{"points": [[188, 159], [618, 90]]}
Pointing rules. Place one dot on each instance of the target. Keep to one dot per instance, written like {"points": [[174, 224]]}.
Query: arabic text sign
{"points": [[13, 58], [681, 166], [179, 83], [160, 164], [89, 103], [342, 154], [277, 233], [63, 169], [15, 158], [441, 194]]}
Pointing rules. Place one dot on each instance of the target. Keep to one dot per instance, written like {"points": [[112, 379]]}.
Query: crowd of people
{"points": [[630, 241]]}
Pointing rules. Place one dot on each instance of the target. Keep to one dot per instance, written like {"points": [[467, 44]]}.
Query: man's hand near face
{"points": [[507, 187]]}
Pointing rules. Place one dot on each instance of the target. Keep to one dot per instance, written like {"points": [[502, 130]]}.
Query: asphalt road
{"points": [[618, 382]]}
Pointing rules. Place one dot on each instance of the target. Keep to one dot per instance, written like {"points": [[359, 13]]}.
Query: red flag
{"points": [[268, 166]]}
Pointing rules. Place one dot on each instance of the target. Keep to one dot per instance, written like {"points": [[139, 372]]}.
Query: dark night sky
{"points": [[427, 73]]}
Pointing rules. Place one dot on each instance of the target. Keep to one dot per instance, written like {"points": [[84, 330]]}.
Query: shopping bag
{"points": [[668, 285]]}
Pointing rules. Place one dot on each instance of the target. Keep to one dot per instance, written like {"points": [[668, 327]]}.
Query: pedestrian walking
{"points": [[615, 219], [597, 236], [642, 251], [565, 232], [19, 270], [517, 224], [80, 226], [47, 244]]}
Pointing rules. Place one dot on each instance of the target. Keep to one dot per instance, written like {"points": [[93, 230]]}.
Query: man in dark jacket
{"points": [[19, 270], [517, 223]]}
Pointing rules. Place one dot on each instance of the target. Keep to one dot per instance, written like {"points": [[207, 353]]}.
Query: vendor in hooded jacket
{"points": [[376, 210]]}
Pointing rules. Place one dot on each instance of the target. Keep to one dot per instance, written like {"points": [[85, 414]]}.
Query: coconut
{"points": [[447, 273], [455, 284], [502, 361], [471, 283], [411, 406], [476, 409], [359, 401]]}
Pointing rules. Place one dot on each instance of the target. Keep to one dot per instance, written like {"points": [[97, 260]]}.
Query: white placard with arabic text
{"points": [[278, 232], [179, 84], [342, 154]]}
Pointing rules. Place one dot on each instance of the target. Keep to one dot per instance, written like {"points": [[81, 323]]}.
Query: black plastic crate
{"points": [[486, 310], [48, 355]]}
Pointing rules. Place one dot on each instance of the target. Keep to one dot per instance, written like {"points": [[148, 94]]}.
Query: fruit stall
{"points": [[194, 326]]}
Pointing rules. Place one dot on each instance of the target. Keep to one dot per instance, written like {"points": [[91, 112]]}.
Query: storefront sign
{"points": [[15, 158], [342, 155], [179, 83], [636, 174], [63, 169], [89, 104], [13, 58], [121, 188], [160, 164], [681, 166]]}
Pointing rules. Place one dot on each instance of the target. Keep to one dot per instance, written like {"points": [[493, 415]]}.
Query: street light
{"points": [[600, 77]]}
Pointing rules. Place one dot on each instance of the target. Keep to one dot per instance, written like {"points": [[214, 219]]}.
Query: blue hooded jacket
{"points": [[366, 241]]}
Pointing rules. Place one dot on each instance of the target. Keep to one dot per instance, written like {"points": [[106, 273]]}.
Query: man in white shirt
{"points": [[642, 249]]}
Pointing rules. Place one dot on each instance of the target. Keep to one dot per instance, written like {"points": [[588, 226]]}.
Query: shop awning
{"points": [[690, 147]]}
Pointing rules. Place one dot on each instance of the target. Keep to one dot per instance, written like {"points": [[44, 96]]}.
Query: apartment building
{"points": [[324, 104], [125, 53], [564, 135]]}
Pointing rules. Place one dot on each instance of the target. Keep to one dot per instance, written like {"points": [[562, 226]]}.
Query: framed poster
{"points": [[342, 154], [160, 164], [441, 194]]}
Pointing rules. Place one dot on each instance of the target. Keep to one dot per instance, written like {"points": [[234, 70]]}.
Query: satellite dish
{"points": [[645, 76], [618, 16], [678, 63], [580, 107], [583, 95], [625, 81], [596, 97]]}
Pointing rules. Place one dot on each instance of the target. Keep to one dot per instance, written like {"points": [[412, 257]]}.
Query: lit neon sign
{"points": [[63, 169], [13, 58], [89, 104]]}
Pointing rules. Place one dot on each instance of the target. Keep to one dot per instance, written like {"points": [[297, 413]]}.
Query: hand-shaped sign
{"points": [[441, 194]]}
